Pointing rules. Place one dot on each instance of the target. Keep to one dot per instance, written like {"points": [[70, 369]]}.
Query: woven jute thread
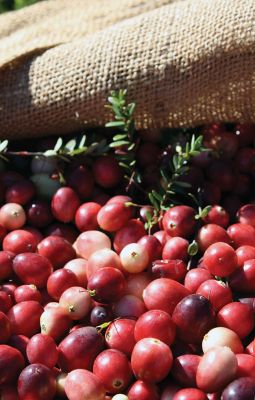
{"points": [[183, 62]]}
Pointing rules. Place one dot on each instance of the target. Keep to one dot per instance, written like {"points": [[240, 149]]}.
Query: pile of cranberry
{"points": [[95, 307]]}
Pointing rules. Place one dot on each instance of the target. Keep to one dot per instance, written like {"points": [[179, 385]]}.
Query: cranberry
{"points": [[42, 349], [59, 281], [113, 216], [107, 285], [120, 335], [129, 306], [176, 248], [243, 279], [27, 292], [217, 292], [64, 204], [185, 368], [246, 214], [6, 270], [179, 221], [152, 245], [190, 394], [37, 381], [239, 389], [20, 241], [89, 242], [210, 234], [86, 216], [157, 324], [195, 277], [79, 349], [99, 315], [82, 384], [242, 234], [55, 322], [12, 216], [194, 317], [130, 233], [172, 269], [142, 390], [217, 215], [245, 253], [216, 369], [237, 317], [106, 171], [11, 364], [220, 259], [39, 214], [151, 360], [58, 250], [164, 294], [20, 192], [113, 369], [5, 328], [25, 317], [221, 336], [134, 258], [32, 268], [81, 180]]}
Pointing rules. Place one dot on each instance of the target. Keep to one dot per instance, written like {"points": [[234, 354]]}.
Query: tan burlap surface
{"points": [[184, 62]]}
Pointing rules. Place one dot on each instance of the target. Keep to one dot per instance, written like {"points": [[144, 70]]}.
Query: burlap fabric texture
{"points": [[184, 62]]}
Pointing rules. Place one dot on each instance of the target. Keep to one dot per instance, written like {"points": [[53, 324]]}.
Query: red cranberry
{"points": [[20, 192], [81, 180], [64, 204], [86, 216], [39, 214], [58, 250], [106, 171], [179, 221]]}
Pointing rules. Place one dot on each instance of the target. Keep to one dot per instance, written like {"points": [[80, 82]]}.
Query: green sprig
{"points": [[171, 185], [126, 141]]}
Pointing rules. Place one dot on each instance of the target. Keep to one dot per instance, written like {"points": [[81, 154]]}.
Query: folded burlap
{"points": [[184, 62]]}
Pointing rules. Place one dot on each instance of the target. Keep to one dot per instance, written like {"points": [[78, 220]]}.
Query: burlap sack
{"points": [[184, 62]]}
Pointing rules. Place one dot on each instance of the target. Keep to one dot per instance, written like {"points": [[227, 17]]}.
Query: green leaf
{"points": [[3, 145], [58, 144], [153, 201], [75, 152], [50, 153], [176, 161], [183, 184], [164, 176], [113, 100], [83, 141], [70, 146], [148, 217], [132, 146], [115, 124], [192, 143], [120, 136], [131, 108], [203, 213], [194, 153], [193, 248], [157, 195], [119, 143], [104, 325], [123, 165]]}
